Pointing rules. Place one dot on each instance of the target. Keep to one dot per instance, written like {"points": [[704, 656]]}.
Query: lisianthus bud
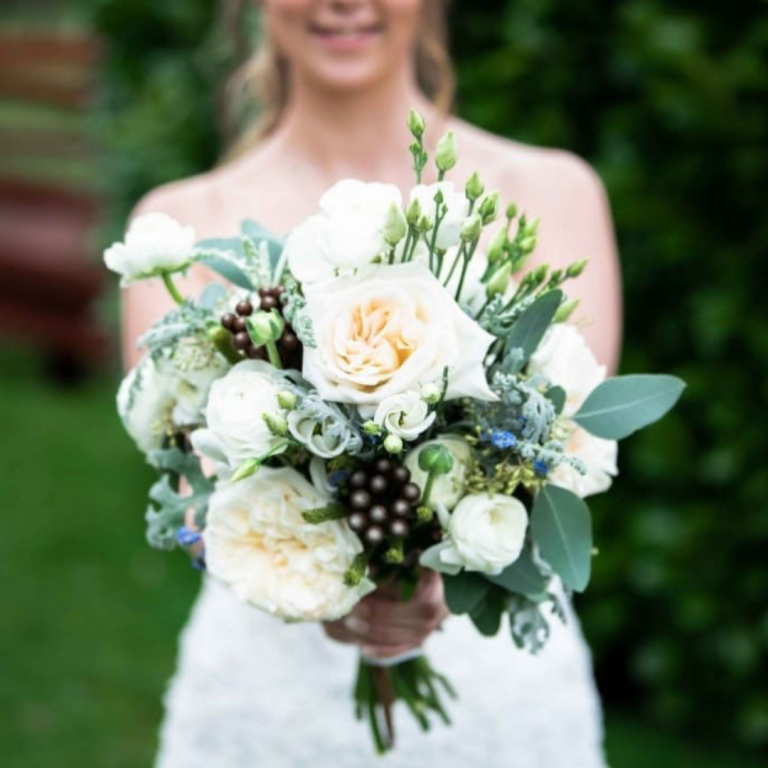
{"points": [[474, 187], [413, 212], [446, 152], [472, 227], [277, 424], [489, 207], [424, 224], [415, 124], [394, 225], [499, 282], [430, 393], [531, 228], [370, 427], [286, 400], [393, 444], [265, 326], [435, 458], [527, 244], [511, 211], [575, 269], [497, 245], [565, 310]]}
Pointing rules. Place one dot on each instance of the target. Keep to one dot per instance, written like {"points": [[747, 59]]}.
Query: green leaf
{"points": [[556, 395], [464, 591], [232, 245], [212, 295], [522, 576], [227, 269], [562, 528], [623, 404], [486, 615], [530, 327], [430, 558], [257, 233]]}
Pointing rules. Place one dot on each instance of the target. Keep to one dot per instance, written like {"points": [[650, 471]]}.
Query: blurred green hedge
{"points": [[670, 102]]}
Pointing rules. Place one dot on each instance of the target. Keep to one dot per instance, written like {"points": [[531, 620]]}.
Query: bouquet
{"points": [[379, 395]]}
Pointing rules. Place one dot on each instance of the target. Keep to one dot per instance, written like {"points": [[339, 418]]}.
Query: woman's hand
{"points": [[385, 626]]}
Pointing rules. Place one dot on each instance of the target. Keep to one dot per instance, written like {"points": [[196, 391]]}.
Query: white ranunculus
{"points": [[405, 415], [154, 243], [319, 438], [388, 334], [447, 489], [458, 210], [567, 361], [235, 429], [346, 235], [487, 533], [257, 542]]}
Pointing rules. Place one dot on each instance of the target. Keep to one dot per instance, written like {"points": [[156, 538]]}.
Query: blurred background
{"points": [[101, 100]]}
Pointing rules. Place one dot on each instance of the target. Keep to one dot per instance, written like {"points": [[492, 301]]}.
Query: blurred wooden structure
{"points": [[48, 283]]}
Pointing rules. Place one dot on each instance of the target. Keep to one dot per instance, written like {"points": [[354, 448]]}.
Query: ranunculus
{"points": [[388, 334], [458, 209], [567, 361], [236, 429], [154, 243], [257, 542], [487, 533], [448, 488], [405, 415], [347, 234]]}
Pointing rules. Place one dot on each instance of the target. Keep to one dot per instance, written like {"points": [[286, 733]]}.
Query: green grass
{"points": [[90, 614]]}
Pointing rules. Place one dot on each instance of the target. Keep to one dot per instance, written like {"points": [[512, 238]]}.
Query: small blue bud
{"points": [[502, 438], [541, 468], [337, 477], [187, 537], [198, 563]]}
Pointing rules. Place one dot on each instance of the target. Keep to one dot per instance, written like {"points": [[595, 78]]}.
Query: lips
{"points": [[346, 36]]}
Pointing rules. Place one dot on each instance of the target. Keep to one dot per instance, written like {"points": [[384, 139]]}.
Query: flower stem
{"points": [[428, 487], [273, 354], [172, 289]]}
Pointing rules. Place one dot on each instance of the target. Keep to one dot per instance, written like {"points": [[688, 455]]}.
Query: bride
{"points": [[337, 78]]}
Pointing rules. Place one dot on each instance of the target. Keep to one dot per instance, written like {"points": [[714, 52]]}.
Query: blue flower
{"points": [[187, 537], [541, 468], [502, 438], [198, 563], [337, 477]]}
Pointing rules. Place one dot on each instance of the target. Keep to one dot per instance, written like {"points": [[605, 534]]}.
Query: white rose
{"points": [[487, 533], [236, 430], [154, 243], [405, 415], [447, 489], [388, 334], [458, 210], [257, 542], [567, 361], [346, 235]]}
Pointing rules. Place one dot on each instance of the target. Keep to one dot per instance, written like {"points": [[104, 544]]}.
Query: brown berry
{"points": [[242, 340], [378, 513], [383, 466], [399, 528], [360, 499], [255, 353], [401, 475], [268, 302], [239, 325], [228, 321], [264, 291], [378, 485], [358, 479], [401, 508], [289, 341], [278, 290], [374, 535], [244, 307], [411, 492], [357, 521]]}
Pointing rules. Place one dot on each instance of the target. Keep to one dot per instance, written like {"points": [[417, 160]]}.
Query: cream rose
{"points": [[154, 243], [347, 234], [236, 430], [388, 334], [405, 415], [566, 360], [456, 203], [257, 542], [487, 533], [447, 488]]}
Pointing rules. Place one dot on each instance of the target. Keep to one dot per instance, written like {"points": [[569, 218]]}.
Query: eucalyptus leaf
{"points": [[562, 528], [232, 245], [623, 404], [464, 591], [430, 558], [259, 234], [227, 269], [522, 576], [530, 327], [212, 295], [557, 395], [486, 615]]}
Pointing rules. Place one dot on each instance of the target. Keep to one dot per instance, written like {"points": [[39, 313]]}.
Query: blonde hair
{"points": [[260, 84]]}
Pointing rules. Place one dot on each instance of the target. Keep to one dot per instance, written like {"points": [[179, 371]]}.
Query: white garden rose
{"points": [[448, 488], [458, 210], [567, 361], [257, 542], [154, 243], [405, 415], [236, 429], [487, 533], [388, 334], [346, 235]]}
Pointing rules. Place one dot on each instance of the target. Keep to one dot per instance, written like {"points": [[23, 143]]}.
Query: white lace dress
{"points": [[252, 692]]}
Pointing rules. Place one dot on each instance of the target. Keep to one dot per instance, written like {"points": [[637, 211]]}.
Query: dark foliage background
{"points": [[670, 102]]}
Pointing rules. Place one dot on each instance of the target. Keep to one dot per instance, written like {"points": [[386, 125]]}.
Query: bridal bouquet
{"points": [[379, 395]]}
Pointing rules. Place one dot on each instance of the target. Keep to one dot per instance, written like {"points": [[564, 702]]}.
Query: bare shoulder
{"points": [[187, 200]]}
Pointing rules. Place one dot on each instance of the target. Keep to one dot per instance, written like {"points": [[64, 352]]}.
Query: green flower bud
{"points": [[527, 244], [446, 152], [413, 212], [489, 207], [395, 225], [276, 424], [286, 400], [497, 245], [575, 269], [435, 458], [246, 469], [393, 444], [472, 227], [424, 224], [474, 187], [371, 428], [430, 393], [415, 124], [499, 282], [511, 211], [424, 514], [532, 228], [265, 326], [565, 310]]}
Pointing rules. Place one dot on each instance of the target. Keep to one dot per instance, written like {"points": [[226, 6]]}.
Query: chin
{"points": [[347, 76]]}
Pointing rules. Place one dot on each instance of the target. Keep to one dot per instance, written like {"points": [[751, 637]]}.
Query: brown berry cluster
{"points": [[288, 345]]}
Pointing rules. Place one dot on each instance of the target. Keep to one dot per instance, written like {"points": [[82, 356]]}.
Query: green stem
{"points": [[172, 289], [467, 259], [428, 486], [273, 354], [483, 308], [459, 255]]}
